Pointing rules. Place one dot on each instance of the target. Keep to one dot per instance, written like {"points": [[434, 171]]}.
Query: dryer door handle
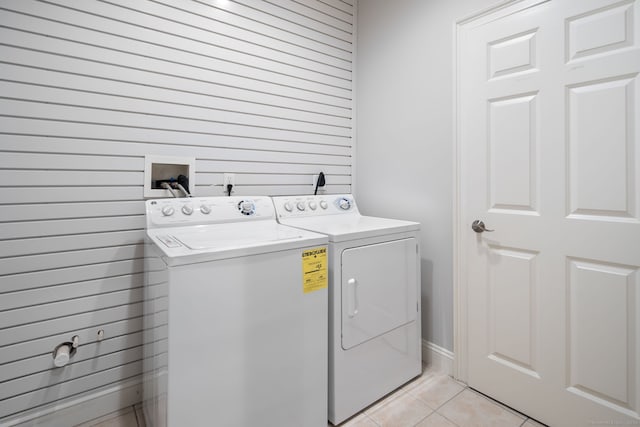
{"points": [[353, 297]]}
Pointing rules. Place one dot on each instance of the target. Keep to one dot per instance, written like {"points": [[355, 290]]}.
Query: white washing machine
{"points": [[235, 316], [374, 298]]}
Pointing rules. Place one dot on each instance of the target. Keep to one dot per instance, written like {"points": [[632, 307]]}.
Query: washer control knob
{"points": [[205, 209], [300, 206], [187, 209], [288, 207], [344, 204], [323, 204], [168, 210], [313, 205], [247, 207]]}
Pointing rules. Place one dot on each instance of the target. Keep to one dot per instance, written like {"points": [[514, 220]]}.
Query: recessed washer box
{"points": [[162, 168]]}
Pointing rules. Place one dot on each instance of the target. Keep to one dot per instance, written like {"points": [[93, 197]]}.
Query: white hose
{"points": [[186, 193], [166, 186]]}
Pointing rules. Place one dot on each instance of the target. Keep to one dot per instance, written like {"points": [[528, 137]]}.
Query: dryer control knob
{"points": [[205, 209], [323, 204], [168, 211], [187, 209], [313, 205], [300, 206], [247, 207], [288, 207], [344, 204]]}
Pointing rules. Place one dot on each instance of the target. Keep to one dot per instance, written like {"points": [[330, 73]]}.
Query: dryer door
{"points": [[379, 289]]}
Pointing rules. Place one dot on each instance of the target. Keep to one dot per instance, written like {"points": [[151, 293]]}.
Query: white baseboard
{"points": [[82, 409], [438, 358]]}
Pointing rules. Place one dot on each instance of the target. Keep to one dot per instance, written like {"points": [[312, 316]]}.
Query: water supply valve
{"points": [[63, 352]]}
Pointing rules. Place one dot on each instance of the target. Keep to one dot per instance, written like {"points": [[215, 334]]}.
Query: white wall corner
{"points": [[437, 358]]}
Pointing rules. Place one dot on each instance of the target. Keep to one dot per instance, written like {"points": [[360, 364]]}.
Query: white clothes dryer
{"points": [[235, 316], [374, 298]]}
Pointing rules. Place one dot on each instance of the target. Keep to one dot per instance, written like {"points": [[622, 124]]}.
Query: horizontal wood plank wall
{"points": [[261, 89]]}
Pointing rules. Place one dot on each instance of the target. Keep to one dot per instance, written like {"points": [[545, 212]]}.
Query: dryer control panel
{"points": [[307, 206], [207, 210]]}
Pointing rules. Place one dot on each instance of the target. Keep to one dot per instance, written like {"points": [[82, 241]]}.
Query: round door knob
{"points": [[288, 207], [205, 209], [478, 226], [313, 205], [168, 211], [323, 204], [300, 206], [187, 209]]}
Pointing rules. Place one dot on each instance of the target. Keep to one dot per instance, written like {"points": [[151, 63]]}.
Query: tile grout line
{"points": [[464, 387], [443, 416], [449, 400], [411, 392], [372, 420]]}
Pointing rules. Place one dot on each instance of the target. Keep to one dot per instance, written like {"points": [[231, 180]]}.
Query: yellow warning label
{"points": [[314, 269]]}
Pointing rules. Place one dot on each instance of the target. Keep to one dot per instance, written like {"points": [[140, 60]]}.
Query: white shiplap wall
{"points": [[262, 89]]}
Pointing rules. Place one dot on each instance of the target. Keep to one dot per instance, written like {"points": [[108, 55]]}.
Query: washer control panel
{"points": [[306, 206], [207, 210]]}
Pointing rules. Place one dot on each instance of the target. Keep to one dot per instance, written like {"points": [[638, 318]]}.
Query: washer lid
{"points": [[347, 227], [185, 245]]}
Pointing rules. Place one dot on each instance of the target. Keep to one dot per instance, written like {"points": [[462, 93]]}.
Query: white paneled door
{"points": [[549, 156]]}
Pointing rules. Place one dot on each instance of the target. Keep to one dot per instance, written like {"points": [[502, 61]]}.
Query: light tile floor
{"points": [[436, 400], [432, 400]]}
